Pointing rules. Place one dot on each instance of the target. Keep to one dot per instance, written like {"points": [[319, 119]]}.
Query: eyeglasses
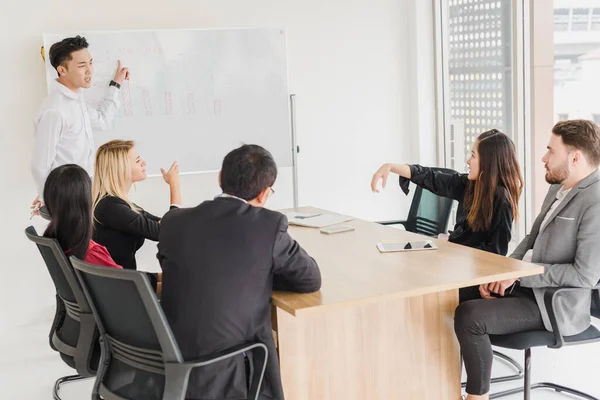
{"points": [[272, 191]]}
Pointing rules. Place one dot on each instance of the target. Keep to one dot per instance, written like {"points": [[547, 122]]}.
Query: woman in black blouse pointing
{"points": [[119, 224], [488, 196]]}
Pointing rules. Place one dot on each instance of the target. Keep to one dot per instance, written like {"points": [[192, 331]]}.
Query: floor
{"points": [[29, 368]]}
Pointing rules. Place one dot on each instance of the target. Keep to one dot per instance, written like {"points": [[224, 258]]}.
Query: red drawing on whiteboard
{"points": [[127, 99], [168, 103], [154, 50], [217, 107], [147, 103], [191, 104]]}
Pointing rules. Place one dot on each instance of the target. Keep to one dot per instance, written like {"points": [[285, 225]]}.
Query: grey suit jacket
{"points": [[568, 246]]}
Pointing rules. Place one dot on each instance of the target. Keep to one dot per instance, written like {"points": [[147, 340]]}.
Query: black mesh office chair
{"points": [[428, 214], [140, 356], [73, 333], [555, 340]]}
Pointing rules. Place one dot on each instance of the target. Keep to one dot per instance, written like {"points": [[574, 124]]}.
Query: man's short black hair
{"points": [[60, 52], [247, 171]]}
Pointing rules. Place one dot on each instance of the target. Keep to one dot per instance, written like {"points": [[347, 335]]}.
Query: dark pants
{"points": [[477, 318]]}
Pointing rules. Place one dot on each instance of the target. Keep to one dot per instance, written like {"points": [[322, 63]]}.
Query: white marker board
{"points": [[194, 95]]}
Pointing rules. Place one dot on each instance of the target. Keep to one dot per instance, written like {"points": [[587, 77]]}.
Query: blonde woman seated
{"points": [[120, 225]]}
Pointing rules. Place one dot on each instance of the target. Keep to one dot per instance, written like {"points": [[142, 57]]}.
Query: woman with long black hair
{"points": [[68, 197], [488, 196]]}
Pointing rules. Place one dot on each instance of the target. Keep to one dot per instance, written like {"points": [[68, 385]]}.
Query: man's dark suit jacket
{"points": [[221, 261]]}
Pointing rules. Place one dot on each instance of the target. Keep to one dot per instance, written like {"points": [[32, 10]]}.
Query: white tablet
{"points": [[407, 246]]}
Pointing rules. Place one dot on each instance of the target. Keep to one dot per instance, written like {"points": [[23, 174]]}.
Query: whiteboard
{"points": [[194, 95]]}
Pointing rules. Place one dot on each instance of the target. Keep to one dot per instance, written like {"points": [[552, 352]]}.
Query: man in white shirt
{"points": [[64, 123]]}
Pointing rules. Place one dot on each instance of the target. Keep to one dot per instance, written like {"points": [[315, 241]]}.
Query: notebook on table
{"points": [[316, 219]]}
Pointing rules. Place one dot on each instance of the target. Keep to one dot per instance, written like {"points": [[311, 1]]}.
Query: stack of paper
{"points": [[315, 220]]}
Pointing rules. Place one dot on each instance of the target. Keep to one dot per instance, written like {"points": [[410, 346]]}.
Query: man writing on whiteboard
{"points": [[64, 123]]}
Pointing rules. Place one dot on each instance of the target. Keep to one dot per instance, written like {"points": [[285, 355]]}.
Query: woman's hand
{"points": [[172, 175], [485, 293], [382, 173], [172, 178]]}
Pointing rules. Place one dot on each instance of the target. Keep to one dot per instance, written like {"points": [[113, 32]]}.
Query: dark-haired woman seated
{"points": [[68, 197]]}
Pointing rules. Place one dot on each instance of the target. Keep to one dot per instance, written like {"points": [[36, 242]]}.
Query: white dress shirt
{"points": [[560, 196], [63, 130]]}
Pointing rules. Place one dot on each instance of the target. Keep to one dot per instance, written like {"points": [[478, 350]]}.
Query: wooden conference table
{"points": [[381, 327]]}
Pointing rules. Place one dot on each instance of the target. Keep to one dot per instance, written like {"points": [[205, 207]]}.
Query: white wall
{"points": [[351, 65], [363, 74]]}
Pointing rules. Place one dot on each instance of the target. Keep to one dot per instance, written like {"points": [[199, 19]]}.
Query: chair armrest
{"points": [[223, 355], [391, 223], [179, 372], [88, 338], [550, 299]]}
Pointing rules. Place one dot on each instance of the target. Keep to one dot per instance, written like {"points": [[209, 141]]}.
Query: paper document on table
{"points": [[315, 220]]}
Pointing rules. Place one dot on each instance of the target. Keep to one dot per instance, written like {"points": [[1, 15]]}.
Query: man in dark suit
{"points": [[221, 260]]}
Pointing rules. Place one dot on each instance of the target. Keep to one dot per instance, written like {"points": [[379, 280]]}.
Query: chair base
{"points": [[507, 378], [66, 379], [545, 385], [528, 386]]}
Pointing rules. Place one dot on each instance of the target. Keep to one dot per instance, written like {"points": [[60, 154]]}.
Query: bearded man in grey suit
{"points": [[565, 239]]}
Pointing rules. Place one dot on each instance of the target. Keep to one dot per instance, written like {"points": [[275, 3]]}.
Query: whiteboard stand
{"points": [[295, 148]]}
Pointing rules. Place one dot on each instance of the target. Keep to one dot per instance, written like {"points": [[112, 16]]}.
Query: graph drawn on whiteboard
{"points": [[193, 95]]}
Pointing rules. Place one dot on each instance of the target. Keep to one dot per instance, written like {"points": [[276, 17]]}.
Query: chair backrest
{"points": [[137, 340], [429, 213], [44, 213], [62, 274]]}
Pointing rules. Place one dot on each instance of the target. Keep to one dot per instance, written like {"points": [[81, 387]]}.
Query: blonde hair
{"points": [[112, 172]]}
